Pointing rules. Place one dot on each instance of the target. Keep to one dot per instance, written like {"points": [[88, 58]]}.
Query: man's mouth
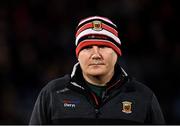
{"points": [[96, 63]]}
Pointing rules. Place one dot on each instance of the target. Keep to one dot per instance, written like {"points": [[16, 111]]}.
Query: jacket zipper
{"points": [[96, 106]]}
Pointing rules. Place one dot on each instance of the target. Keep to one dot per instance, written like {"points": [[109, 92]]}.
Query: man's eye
{"points": [[102, 46], [87, 47]]}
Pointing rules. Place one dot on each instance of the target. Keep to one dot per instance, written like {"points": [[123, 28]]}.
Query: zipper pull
{"points": [[97, 112]]}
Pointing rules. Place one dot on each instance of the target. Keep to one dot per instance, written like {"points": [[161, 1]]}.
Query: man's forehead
{"points": [[97, 45]]}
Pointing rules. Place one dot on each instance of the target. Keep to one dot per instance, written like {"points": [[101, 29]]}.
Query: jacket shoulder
{"points": [[140, 87], [58, 83]]}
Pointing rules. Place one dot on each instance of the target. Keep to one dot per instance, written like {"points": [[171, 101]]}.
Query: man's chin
{"points": [[96, 73]]}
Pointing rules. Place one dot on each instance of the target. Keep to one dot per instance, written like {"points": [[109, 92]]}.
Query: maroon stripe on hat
{"points": [[91, 20], [90, 25], [86, 26], [108, 28]]}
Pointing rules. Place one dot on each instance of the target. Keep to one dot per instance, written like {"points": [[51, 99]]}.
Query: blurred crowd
{"points": [[37, 45]]}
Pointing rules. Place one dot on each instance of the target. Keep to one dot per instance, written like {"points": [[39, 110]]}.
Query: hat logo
{"points": [[97, 25], [127, 107]]}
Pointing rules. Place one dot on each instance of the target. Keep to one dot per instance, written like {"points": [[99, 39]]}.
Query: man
{"points": [[98, 91]]}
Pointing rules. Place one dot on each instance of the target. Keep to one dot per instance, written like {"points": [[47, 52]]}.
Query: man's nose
{"points": [[95, 49], [96, 52]]}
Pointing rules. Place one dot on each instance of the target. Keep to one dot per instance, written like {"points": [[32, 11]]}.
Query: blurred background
{"points": [[37, 45]]}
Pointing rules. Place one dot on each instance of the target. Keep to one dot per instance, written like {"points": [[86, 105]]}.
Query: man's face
{"points": [[97, 60]]}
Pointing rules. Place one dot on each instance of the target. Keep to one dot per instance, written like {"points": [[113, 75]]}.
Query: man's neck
{"points": [[98, 80]]}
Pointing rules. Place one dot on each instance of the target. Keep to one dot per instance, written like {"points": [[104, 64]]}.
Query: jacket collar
{"points": [[78, 81]]}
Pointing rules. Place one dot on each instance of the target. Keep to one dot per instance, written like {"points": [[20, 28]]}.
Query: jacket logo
{"points": [[97, 25], [69, 103], [127, 107]]}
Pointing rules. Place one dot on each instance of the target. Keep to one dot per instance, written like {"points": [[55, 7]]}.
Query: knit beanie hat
{"points": [[97, 30]]}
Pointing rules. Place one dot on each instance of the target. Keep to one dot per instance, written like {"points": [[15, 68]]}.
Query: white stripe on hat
{"points": [[102, 32], [96, 17]]}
